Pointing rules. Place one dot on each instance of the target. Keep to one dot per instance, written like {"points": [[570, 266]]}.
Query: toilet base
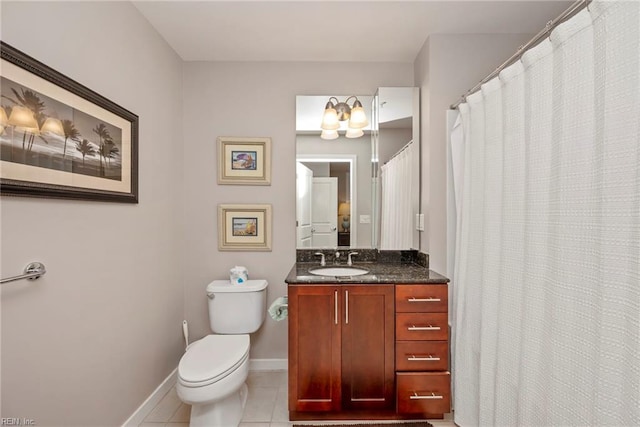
{"points": [[225, 412]]}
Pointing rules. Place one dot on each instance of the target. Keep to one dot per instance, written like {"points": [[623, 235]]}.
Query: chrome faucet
{"points": [[349, 262], [335, 261], [322, 262]]}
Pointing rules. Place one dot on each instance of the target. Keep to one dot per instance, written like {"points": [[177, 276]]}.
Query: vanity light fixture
{"points": [[329, 134], [52, 125], [354, 133], [22, 117], [336, 111]]}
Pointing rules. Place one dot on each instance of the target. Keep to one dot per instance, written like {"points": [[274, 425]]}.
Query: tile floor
{"points": [[266, 405]]}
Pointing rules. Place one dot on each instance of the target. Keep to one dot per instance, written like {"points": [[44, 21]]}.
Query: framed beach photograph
{"points": [[244, 161], [60, 139], [244, 227]]}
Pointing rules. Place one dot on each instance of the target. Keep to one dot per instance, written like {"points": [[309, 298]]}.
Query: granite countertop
{"points": [[379, 272]]}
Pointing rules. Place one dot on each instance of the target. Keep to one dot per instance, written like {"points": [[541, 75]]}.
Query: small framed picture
{"points": [[244, 161], [245, 227]]}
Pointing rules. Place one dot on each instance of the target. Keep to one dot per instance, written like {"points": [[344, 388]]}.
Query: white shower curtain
{"points": [[397, 212], [547, 296]]}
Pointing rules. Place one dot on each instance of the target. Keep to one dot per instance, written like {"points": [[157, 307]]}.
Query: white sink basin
{"points": [[338, 271]]}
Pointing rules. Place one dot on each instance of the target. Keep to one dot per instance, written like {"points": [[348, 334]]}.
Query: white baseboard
{"points": [[147, 406], [268, 364]]}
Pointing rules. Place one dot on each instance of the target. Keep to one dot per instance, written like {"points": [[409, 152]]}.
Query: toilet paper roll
{"points": [[278, 309]]}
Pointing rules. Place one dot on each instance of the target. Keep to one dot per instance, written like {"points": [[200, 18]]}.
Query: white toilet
{"points": [[213, 371]]}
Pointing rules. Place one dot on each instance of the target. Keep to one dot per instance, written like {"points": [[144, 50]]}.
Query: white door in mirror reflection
{"points": [[324, 216], [304, 181]]}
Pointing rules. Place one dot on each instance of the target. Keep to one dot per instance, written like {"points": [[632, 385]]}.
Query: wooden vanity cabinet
{"points": [[341, 348], [422, 350]]}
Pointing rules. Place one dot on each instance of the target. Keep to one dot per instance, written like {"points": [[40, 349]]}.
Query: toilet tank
{"points": [[237, 309]]}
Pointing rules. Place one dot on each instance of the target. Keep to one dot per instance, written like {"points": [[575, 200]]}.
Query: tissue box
{"points": [[238, 275]]}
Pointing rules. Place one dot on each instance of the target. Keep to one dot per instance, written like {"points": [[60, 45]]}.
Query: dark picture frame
{"points": [[60, 139]]}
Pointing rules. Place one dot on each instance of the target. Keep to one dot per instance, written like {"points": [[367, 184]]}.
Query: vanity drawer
{"points": [[422, 326], [421, 298], [422, 355], [424, 392]]}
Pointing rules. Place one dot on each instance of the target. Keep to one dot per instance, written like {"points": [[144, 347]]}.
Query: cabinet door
{"points": [[368, 347], [314, 348]]}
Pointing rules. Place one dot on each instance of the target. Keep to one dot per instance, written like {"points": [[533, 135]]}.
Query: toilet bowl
{"points": [[211, 378], [213, 371]]}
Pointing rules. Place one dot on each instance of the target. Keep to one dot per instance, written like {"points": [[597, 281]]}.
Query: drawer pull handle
{"points": [[423, 328], [413, 299], [416, 396], [429, 358], [346, 307]]}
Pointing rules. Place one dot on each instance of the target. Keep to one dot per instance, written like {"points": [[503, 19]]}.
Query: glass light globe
{"points": [[329, 134]]}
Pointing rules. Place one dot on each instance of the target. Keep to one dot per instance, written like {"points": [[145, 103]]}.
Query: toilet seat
{"points": [[212, 358]]}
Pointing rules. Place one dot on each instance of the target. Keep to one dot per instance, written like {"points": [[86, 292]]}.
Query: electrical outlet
{"points": [[365, 219]]}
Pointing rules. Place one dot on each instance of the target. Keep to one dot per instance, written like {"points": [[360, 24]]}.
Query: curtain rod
{"points": [[399, 151], [570, 12]]}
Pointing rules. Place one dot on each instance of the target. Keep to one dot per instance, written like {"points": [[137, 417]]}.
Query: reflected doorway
{"points": [[325, 201]]}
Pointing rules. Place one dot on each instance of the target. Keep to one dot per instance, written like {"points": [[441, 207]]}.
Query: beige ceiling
{"points": [[346, 30]]}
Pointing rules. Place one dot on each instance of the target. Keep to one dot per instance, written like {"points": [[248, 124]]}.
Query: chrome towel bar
{"points": [[31, 272]]}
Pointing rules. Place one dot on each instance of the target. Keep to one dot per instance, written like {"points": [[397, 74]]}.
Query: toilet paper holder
{"points": [[279, 308]]}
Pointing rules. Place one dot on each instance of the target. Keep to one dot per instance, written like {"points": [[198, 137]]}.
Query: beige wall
{"points": [[88, 342], [391, 141], [253, 99], [446, 67]]}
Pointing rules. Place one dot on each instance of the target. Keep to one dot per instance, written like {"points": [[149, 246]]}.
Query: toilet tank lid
{"points": [[226, 286]]}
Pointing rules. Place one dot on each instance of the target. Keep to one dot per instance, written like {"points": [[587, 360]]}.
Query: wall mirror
{"points": [[340, 199]]}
